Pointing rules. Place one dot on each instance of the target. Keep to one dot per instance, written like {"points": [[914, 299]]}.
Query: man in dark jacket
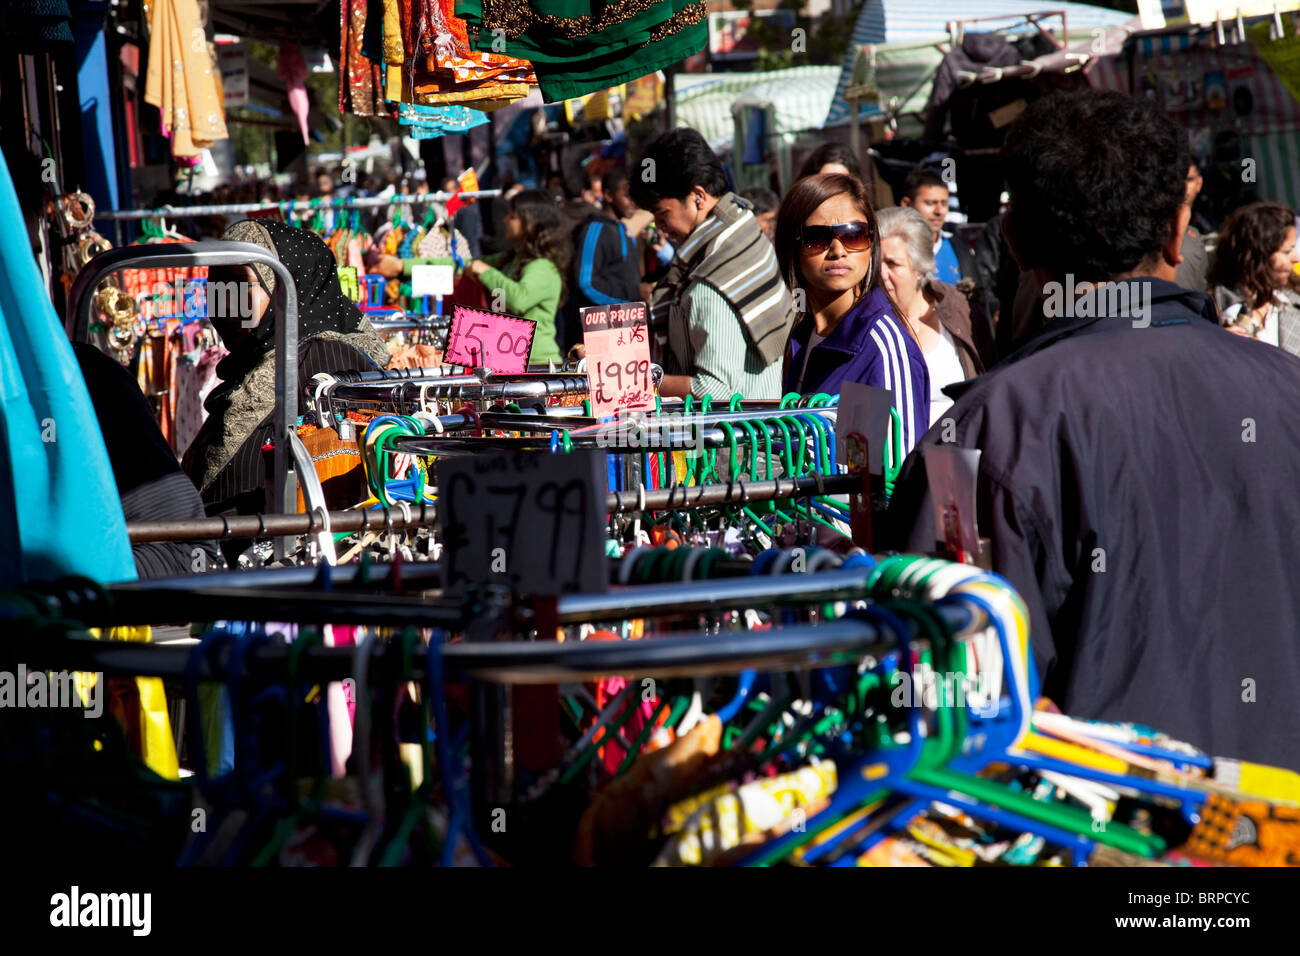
{"points": [[996, 279], [605, 264], [149, 478], [1138, 470]]}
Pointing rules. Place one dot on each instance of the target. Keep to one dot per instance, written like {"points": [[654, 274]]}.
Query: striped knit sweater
{"points": [[728, 253]]}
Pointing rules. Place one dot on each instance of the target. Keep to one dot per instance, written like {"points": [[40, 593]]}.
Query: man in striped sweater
{"points": [[722, 314]]}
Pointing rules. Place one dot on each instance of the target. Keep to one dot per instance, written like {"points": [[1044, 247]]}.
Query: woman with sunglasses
{"points": [[848, 330]]}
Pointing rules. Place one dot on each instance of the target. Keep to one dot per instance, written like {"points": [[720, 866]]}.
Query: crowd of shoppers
{"points": [[1137, 457]]}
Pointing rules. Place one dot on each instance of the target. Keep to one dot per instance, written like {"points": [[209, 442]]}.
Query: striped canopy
{"points": [[1162, 65], [925, 22], [704, 100], [782, 109]]}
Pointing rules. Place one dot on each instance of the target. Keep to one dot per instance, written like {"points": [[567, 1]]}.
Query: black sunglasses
{"points": [[853, 236]]}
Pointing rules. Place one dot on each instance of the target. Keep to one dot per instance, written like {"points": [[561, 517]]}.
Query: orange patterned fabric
{"points": [[1246, 833], [450, 72]]}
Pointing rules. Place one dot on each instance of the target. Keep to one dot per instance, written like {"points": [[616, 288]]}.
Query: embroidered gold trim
{"points": [[678, 22], [514, 17]]}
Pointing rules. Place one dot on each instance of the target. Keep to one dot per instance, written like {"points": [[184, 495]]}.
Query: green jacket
{"points": [[535, 296]]}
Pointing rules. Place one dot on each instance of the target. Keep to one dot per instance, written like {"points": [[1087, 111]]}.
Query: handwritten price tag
{"points": [[432, 280], [617, 339], [527, 521], [489, 340]]}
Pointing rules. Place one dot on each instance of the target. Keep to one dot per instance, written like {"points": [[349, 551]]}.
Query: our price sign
{"points": [[529, 522], [617, 339], [489, 340]]}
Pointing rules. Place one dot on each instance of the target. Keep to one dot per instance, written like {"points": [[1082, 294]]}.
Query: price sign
{"points": [[617, 339], [531, 522], [952, 474], [862, 426], [489, 339], [432, 280]]}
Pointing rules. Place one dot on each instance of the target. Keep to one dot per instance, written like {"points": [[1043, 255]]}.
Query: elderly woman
{"points": [[1252, 265], [935, 313]]}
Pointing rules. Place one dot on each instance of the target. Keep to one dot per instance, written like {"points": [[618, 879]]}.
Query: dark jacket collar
{"points": [[1170, 305]]}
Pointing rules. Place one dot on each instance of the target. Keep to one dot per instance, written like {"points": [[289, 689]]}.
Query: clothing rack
{"points": [[469, 388], [503, 661], [117, 216], [424, 515], [442, 371], [677, 433], [302, 205], [827, 644], [258, 594], [396, 575]]}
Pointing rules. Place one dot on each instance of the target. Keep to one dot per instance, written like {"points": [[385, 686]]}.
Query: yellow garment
{"points": [[158, 747], [486, 98], [394, 54], [743, 816], [1259, 780], [640, 97], [593, 107], [182, 79], [679, 467]]}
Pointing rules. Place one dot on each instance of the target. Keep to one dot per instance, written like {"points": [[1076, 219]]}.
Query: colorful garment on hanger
{"points": [[447, 70], [581, 46], [182, 80], [196, 377], [622, 813], [61, 514], [1246, 833], [430, 122], [732, 819], [139, 704], [361, 86], [397, 23], [164, 293], [292, 69]]}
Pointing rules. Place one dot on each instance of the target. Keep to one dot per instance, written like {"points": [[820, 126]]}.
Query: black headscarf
{"points": [[244, 401], [322, 306]]}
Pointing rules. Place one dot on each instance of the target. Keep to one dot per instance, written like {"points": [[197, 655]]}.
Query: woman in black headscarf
{"points": [[226, 462]]}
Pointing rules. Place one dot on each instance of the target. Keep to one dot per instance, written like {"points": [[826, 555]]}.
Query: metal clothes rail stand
{"points": [[490, 663], [117, 216], [424, 514], [209, 253]]}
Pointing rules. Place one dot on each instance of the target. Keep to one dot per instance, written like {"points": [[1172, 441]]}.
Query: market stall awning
{"points": [[704, 100], [768, 117], [925, 22], [1211, 88]]}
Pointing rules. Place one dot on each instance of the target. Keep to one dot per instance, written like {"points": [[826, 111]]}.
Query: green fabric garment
{"points": [[582, 46], [535, 295]]}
